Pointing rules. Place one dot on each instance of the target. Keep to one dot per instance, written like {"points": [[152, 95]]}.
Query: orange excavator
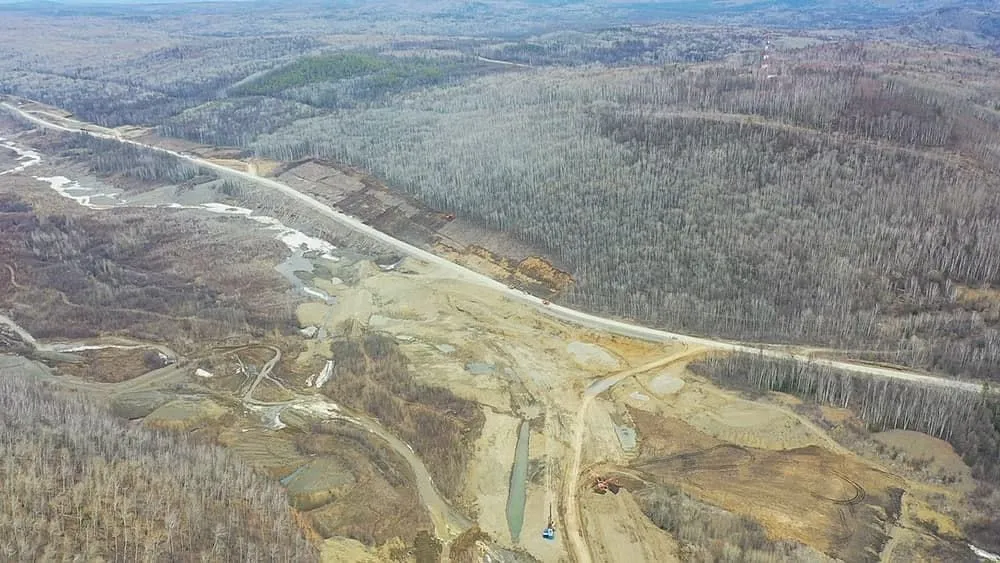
{"points": [[608, 485]]}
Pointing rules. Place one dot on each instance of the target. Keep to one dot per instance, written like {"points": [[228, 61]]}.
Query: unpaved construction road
{"points": [[574, 529], [447, 521], [263, 373], [463, 273]]}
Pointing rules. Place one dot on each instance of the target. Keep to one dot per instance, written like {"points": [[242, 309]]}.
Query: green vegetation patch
{"points": [[343, 79], [310, 70]]}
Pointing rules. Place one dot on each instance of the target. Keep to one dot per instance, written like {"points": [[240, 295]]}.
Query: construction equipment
{"points": [[602, 486], [549, 532]]}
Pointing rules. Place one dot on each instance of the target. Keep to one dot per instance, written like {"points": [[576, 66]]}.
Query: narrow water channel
{"points": [[517, 493]]}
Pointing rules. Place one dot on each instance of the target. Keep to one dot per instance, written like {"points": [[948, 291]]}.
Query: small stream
{"points": [[983, 554], [25, 157], [105, 197], [517, 494]]}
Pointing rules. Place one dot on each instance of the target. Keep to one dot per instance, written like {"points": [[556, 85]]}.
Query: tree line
{"points": [[832, 207], [968, 421]]}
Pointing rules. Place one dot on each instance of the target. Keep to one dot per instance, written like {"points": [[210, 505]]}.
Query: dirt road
{"points": [[263, 373], [516, 295], [500, 62], [574, 529], [448, 522]]}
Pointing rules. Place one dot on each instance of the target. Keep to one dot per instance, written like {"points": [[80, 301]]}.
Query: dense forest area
{"points": [[832, 205], [107, 158], [83, 483], [147, 82], [346, 79], [969, 422], [624, 45]]}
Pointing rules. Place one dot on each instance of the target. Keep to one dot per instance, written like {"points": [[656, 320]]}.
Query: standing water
{"points": [[516, 495]]}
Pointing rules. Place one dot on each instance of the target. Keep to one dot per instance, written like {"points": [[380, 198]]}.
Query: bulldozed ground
{"points": [[474, 364], [494, 253], [808, 495]]}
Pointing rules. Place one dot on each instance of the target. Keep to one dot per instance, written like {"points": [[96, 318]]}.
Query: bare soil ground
{"points": [[759, 459], [925, 453], [489, 473], [809, 495], [363, 196], [619, 531]]}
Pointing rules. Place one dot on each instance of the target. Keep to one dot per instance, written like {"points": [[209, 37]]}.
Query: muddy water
{"points": [[516, 495]]}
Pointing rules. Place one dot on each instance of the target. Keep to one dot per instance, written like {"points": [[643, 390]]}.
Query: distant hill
{"points": [[975, 24]]}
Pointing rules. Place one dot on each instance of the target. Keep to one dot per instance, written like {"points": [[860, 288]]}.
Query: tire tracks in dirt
{"points": [[460, 272], [571, 509]]}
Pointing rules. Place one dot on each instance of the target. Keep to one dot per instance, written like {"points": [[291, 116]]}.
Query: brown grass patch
{"points": [[110, 365], [833, 503]]}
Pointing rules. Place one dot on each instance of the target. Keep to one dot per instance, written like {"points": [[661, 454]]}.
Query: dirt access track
{"points": [[478, 327], [33, 112]]}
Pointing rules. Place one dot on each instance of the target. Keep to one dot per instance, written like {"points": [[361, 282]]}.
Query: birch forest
{"points": [[835, 204], [79, 481]]}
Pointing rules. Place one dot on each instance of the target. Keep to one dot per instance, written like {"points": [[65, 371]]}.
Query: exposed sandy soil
{"points": [[262, 166], [619, 531], [489, 474], [720, 414], [592, 355], [810, 495], [109, 365], [754, 458], [231, 163], [186, 414], [918, 449], [346, 550]]}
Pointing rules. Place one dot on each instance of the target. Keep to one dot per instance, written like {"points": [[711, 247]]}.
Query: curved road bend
{"points": [[574, 529], [448, 522], [553, 310]]}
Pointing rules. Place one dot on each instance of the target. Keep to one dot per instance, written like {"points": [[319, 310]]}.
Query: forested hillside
{"points": [[82, 483], [830, 192], [838, 203]]}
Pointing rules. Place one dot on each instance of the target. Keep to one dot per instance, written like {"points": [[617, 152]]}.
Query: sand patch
{"points": [[489, 473], [592, 356], [186, 414], [666, 384], [623, 532], [935, 456]]}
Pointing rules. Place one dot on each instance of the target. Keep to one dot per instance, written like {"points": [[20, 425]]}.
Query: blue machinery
{"points": [[549, 532]]}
